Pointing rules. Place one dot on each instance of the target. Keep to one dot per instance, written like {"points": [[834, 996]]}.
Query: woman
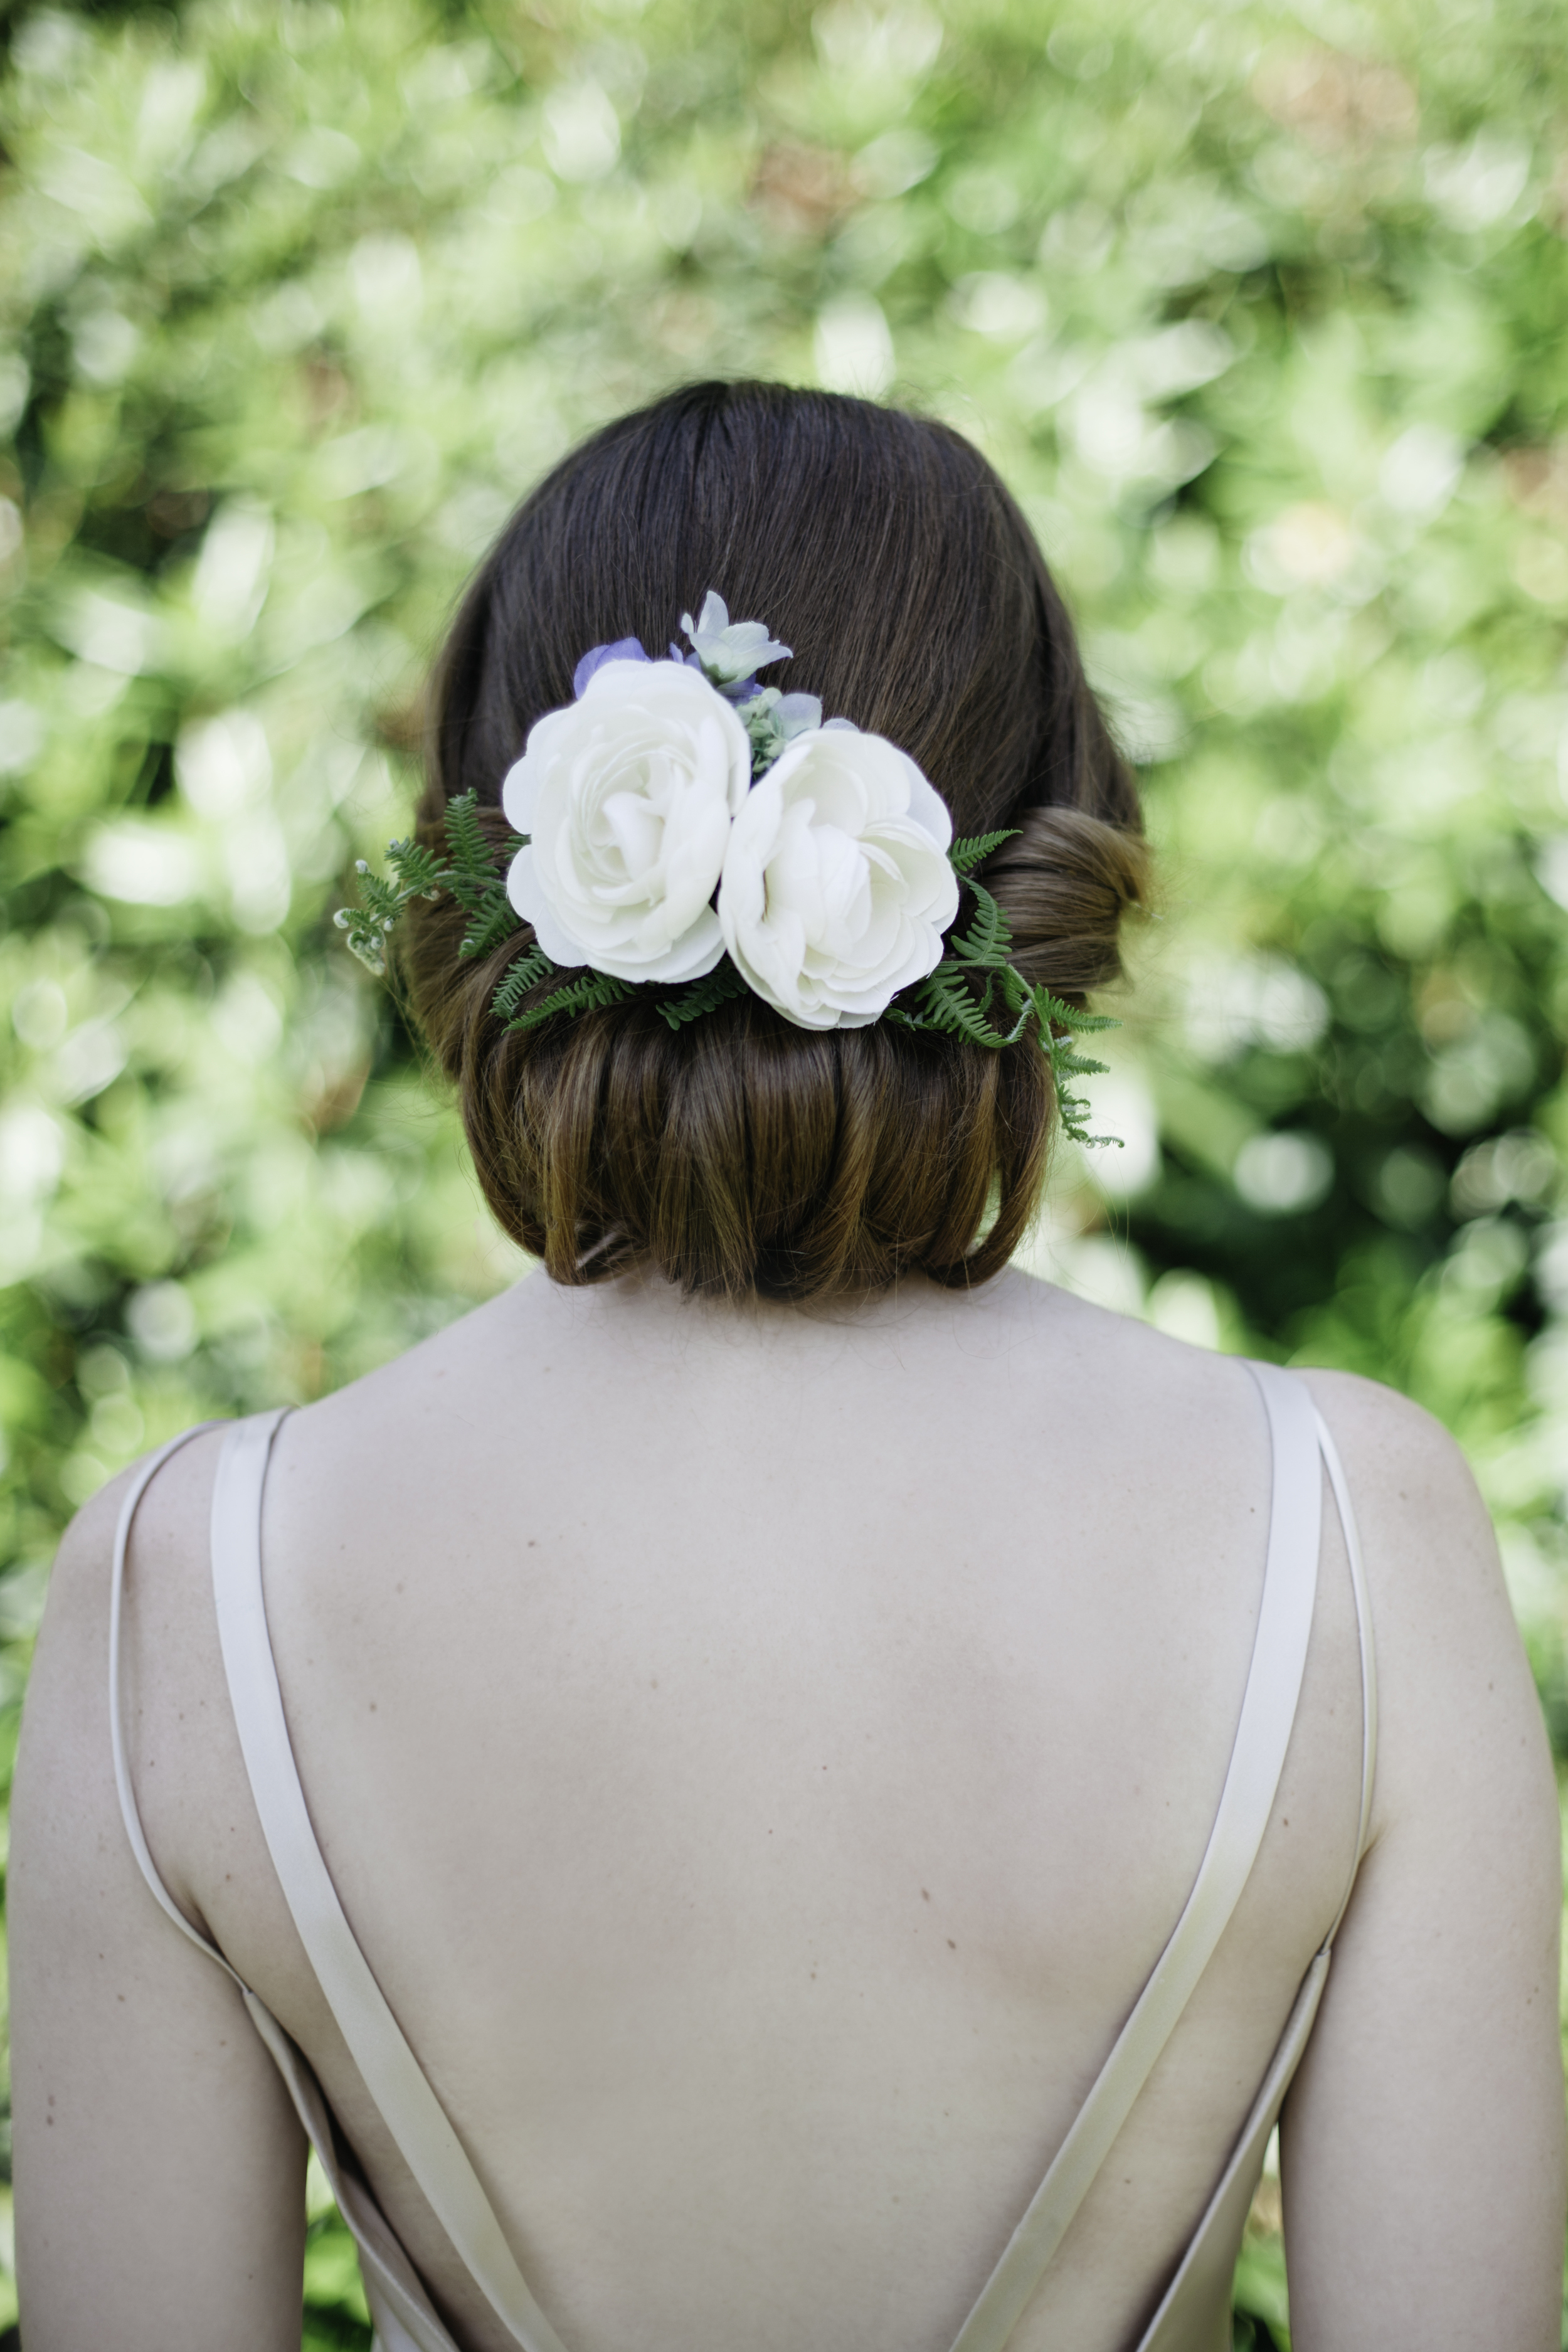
{"points": [[694, 1773]]}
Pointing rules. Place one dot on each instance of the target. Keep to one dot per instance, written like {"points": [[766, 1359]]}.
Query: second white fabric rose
{"points": [[628, 796], [836, 887]]}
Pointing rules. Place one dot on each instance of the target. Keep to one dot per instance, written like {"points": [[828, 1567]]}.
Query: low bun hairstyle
{"points": [[742, 1154]]}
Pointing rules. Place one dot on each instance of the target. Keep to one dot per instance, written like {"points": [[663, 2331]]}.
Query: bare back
{"points": [[762, 1755]]}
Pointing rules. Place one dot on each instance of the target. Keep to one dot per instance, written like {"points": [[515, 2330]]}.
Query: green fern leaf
{"points": [[381, 897], [947, 1004], [416, 867], [962, 854], [705, 995], [495, 920], [465, 843], [469, 872], [1017, 994], [989, 936], [1067, 1016], [586, 995], [366, 937], [525, 973]]}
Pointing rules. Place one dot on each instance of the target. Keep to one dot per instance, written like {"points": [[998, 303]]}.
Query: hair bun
{"points": [[742, 1154], [1064, 883]]}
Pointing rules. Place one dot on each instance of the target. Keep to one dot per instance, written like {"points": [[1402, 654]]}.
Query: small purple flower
{"points": [[624, 649]]}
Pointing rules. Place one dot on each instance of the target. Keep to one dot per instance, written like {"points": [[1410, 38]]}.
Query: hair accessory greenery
{"points": [[687, 837]]}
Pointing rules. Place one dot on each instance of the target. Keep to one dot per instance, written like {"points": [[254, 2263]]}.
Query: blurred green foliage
{"points": [[1260, 311]]}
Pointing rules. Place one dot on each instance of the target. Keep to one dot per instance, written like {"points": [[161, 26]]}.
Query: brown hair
{"points": [[741, 1153]]}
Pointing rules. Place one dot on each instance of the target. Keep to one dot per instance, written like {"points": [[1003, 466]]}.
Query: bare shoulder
{"points": [[65, 1716], [170, 1516], [1425, 1529], [1457, 1699], [1402, 1453], [1118, 1353]]}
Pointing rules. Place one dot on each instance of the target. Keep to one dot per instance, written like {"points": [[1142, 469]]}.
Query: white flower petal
{"points": [[836, 891], [634, 828], [517, 796], [628, 794], [928, 809], [522, 889], [696, 952]]}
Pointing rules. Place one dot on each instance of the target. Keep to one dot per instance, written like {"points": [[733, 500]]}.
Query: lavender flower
{"points": [[624, 649]]}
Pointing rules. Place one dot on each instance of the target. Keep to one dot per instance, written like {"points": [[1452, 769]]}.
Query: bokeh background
{"points": [[1260, 311]]}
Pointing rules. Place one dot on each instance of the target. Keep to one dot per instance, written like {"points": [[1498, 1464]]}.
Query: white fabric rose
{"points": [[836, 887], [627, 795]]}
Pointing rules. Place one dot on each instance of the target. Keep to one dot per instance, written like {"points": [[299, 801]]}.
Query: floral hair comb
{"points": [[690, 836]]}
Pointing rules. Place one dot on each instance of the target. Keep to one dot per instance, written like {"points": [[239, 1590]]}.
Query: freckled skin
{"points": [[762, 1755]]}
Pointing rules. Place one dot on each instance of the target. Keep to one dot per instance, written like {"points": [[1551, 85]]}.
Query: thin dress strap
{"points": [[1246, 1800], [145, 1474], [1194, 2308], [391, 2074], [1352, 1533]]}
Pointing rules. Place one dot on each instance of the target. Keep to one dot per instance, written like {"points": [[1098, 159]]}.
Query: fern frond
{"points": [[587, 994], [974, 851], [946, 1002], [468, 850], [990, 935], [525, 973], [491, 923], [365, 932], [416, 867], [468, 873], [367, 925], [378, 896], [705, 995], [1067, 1016]]}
